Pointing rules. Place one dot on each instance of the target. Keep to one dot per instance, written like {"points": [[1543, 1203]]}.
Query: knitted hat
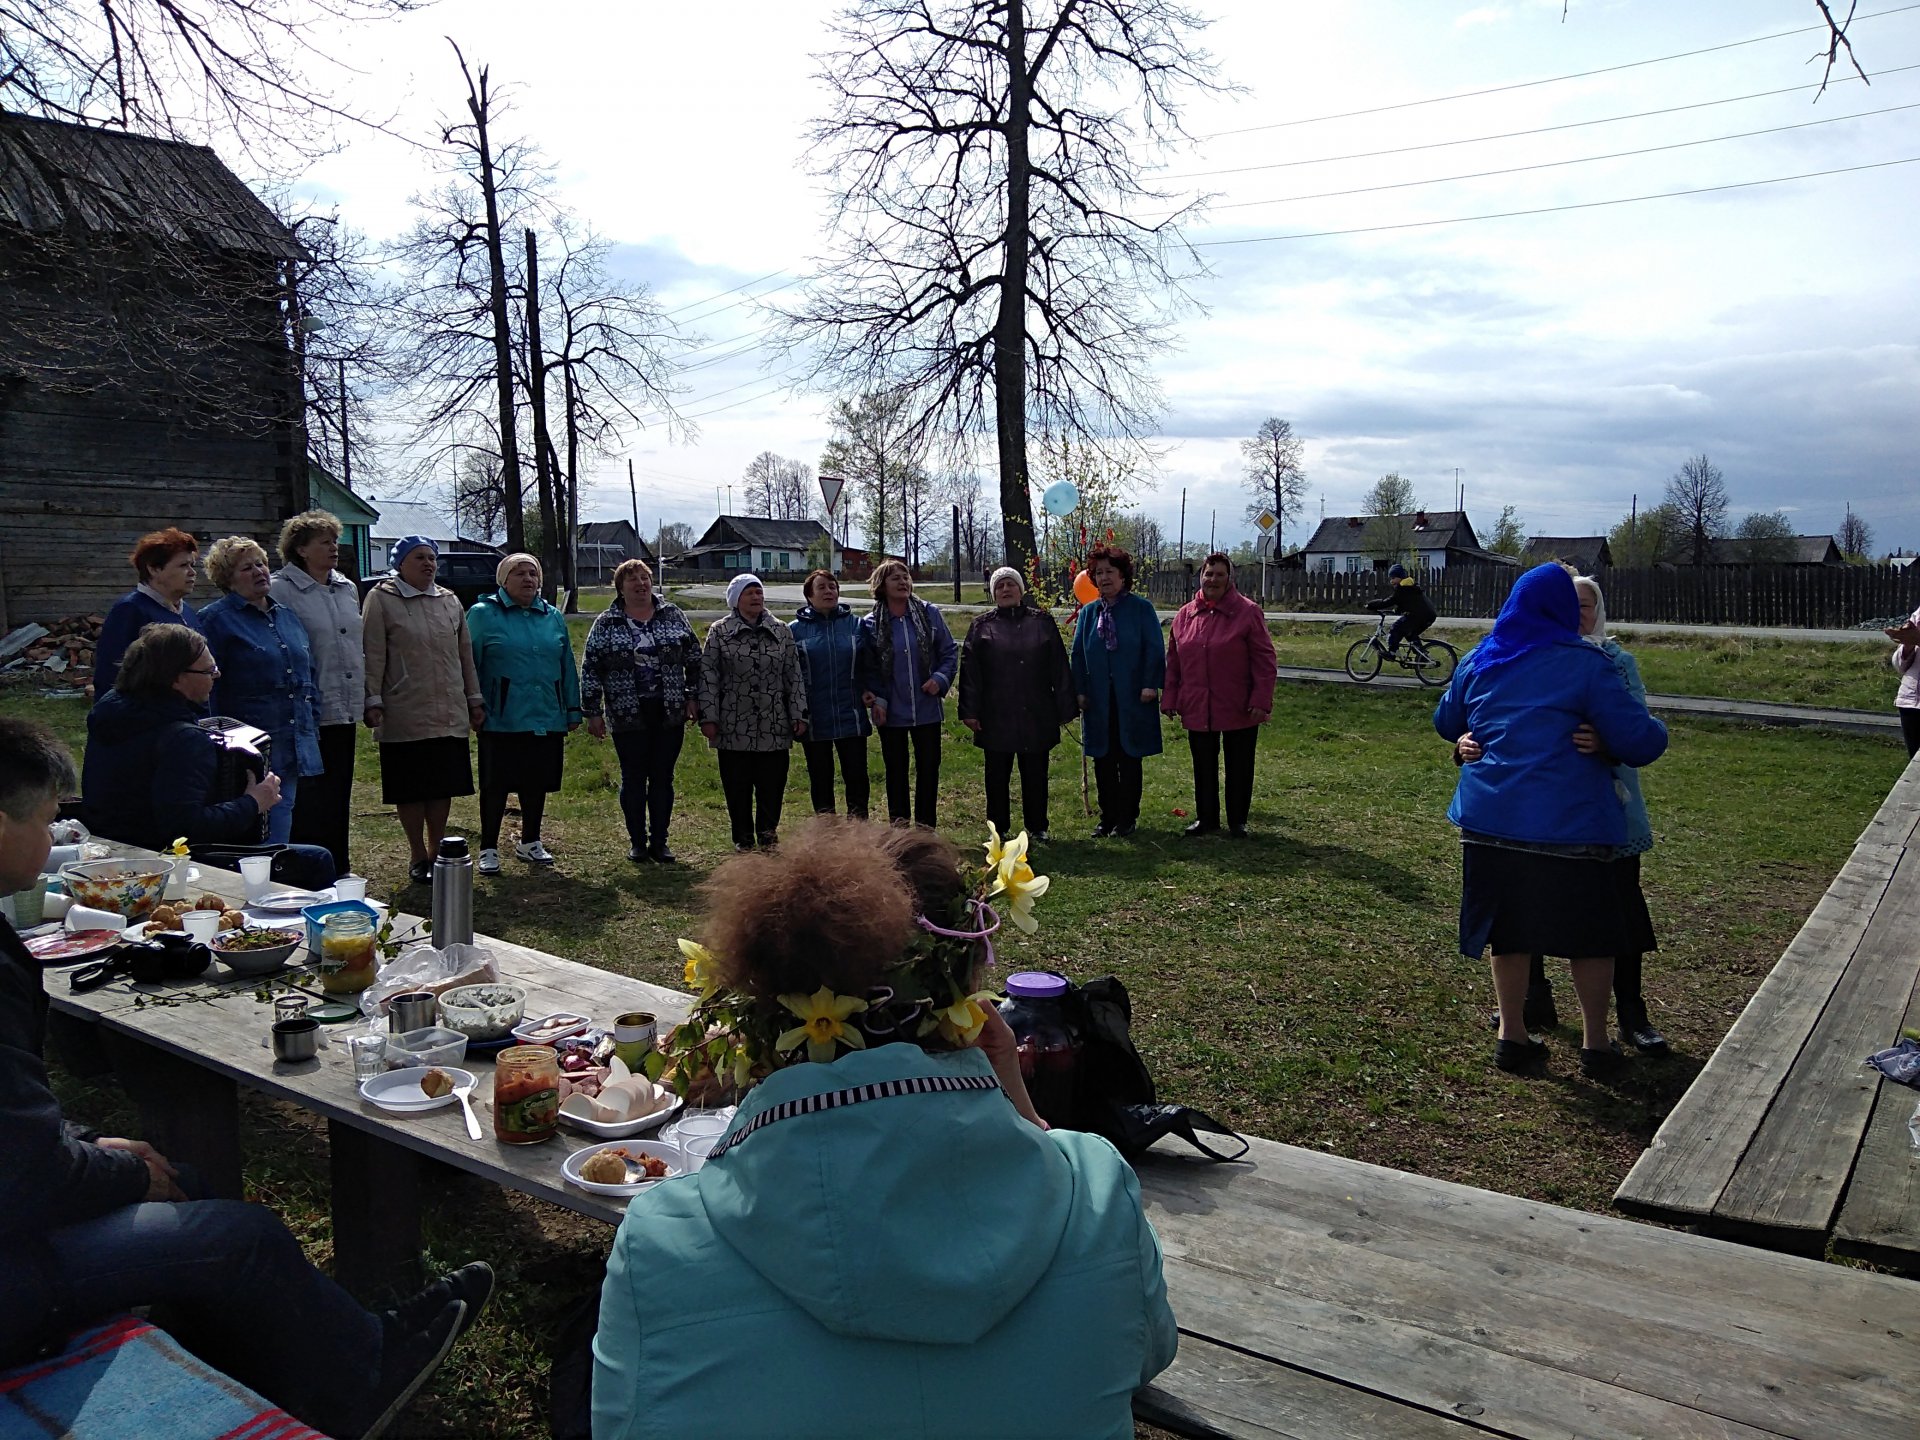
{"points": [[737, 587], [1006, 572], [405, 546], [519, 557]]}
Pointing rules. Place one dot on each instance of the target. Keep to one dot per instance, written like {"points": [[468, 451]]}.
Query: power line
{"points": [[1555, 209], [696, 304], [1550, 80], [1518, 134], [1554, 164]]}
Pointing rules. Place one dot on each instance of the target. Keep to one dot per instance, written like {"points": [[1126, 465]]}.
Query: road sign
{"points": [[1266, 520], [1263, 545], [830, 487]]}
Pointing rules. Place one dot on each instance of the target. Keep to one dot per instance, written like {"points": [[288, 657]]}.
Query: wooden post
{"points": [[956, 557], [376, 1213]]}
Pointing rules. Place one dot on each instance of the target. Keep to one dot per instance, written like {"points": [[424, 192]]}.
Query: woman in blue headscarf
{"points": [[1539, 818]]}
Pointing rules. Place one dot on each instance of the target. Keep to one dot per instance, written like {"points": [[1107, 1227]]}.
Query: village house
{"points": [[735, 543], [1589, 554], [599, 547], [1426, 539]]}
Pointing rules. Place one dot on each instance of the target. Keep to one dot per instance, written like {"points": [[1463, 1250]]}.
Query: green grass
{"points": [[1302, 986]]}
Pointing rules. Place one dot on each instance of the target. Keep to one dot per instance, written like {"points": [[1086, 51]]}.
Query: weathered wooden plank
{"points": [[1880, 1220], [1789, 1184], [1685, 1170], [1210, 1390]]}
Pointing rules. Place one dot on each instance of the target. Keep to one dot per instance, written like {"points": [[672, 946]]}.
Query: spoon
{"points": [[460, 1093]]}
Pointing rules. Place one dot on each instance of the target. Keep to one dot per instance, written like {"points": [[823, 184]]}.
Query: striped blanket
{"points": [[128, 1379]]}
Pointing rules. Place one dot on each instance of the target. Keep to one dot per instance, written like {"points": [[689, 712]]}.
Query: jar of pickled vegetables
{"points": [[346, 952], [526, 1094]]}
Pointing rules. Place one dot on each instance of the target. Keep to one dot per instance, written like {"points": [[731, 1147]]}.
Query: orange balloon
{"points": [[1084, 589]]}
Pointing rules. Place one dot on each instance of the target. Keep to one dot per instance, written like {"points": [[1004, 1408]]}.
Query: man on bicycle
{"points": [[1406, 600]]}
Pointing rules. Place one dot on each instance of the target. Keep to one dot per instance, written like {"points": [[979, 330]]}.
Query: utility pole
{"points": [[956, 555], [1212, 526], [1183, 526], [634, 495], [346, 441]]}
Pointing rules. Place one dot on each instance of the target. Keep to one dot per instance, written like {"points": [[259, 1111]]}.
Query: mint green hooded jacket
{"points": [[907, 1266]]}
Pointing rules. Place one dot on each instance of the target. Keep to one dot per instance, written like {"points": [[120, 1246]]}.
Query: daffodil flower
{"points": [[179, 846], [960, 1022], [823, 1024], [998, 850], [703, 971], [1015, 879]]}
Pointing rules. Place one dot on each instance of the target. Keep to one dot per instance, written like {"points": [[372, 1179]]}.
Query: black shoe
{"points": [[408, 1358], [1202, 827], [1039, 837], [661, 855], [1603, 1064], [741, 847], [1102, 830], [769, 840], [1540, 1013], [1519, 1057], [638, 854], [1638, 1032], [1238, 832], [1126, 829], [471, 1284], [420, 873]]}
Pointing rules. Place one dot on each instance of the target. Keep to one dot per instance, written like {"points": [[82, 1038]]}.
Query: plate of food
{"points": [[65, 947], [412, 1092], [609, 1103], [621, 1169]]}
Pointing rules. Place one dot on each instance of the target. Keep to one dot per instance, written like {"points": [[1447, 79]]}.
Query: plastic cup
{"points": [[29, 906], [257, 871], [694, 1150], [350, 887], [202, 925]]}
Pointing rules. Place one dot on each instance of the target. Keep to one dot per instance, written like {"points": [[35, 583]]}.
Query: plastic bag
{"points": [[424, 968], [1900, 1063]]}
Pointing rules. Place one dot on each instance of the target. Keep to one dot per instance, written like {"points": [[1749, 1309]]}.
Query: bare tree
{"points": [[779, 488], [1766, 537], [1274, 475], [477, 500], [342, 329], [1392, 504], [980, 542], [876, 452], [1697, 494], [1509, 534], [674, 538], [988, 263], [1855, 536]]}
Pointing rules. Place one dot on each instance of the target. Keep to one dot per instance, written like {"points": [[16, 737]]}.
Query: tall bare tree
{"points": [[877, 452], [1855, 536], [989, 262], [1697, 493], [1274, 475], [779, 488]]}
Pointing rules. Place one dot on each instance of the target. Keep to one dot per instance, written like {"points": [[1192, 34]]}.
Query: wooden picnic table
{"points": [[1786, 1139]]}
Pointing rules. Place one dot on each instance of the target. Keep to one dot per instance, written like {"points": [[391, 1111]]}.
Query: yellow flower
{"points": [[179, 847], [960, 1022], [998, 850], [1022, 887], [703, 971], [823, 1017]]}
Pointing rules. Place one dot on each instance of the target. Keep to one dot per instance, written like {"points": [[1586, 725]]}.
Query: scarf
{"points": [[1103, 624], [883, 638], [1541, 610]]}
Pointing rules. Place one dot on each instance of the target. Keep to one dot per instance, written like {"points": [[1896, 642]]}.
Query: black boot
{"points": [[1631, 1006]]}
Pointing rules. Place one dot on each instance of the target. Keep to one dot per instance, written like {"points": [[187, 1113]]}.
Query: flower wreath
{"points": [[731, 1039]]}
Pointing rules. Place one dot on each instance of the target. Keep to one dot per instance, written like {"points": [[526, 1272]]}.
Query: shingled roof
{"points": [[58, 176], [761, 532], [1358, 534], [1587, 553]]}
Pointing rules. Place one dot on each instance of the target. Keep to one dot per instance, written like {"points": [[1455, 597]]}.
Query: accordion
{"points": [[246, 752]]}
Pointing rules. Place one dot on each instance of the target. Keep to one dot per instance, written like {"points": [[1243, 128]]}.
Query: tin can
{"points": [[634, 1035]]}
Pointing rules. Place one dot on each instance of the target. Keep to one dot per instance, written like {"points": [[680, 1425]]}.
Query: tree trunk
{"points": [[569, 552], [542, 444], [1009, 331], [477, 104]]}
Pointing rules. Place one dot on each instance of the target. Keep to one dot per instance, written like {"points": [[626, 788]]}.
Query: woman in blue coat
{"points": [[166, 563], [266, 669], [1119, 666], [837, 668], [912, 661]]}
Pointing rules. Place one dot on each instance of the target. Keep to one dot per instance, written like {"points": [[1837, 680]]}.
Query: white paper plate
{"points": [[290, 902], [399, 1090], [621, 1129], [570, 1167]]}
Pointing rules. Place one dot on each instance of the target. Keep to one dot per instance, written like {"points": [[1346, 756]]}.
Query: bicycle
{"points": [[1431, 660]]}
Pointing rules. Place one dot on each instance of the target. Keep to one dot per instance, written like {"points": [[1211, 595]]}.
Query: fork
{"points": [[460, 1093]]}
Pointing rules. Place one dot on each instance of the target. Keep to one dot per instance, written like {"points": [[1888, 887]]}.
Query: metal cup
{"points": [[411, 1010], [296, 1039]]}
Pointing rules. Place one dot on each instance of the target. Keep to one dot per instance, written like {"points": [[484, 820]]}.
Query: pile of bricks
{"points": [[64, 652]]}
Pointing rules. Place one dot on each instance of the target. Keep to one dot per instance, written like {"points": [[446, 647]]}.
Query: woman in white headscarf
{"points": [[753, 705]]}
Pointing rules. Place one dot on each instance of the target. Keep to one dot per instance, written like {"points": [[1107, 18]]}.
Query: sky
{"points": [[1566, 363]]}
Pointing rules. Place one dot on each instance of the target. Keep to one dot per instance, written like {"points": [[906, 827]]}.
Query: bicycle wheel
{"points": [[1435, 666], [1363, 659]]}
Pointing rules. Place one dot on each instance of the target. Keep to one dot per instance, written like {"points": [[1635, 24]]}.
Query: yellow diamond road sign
{"points": [[1267, 520]]}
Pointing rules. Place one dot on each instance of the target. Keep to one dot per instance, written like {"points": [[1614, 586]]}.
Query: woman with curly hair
{"points": [[1119, 665], [165, 564], [885, 1221]]}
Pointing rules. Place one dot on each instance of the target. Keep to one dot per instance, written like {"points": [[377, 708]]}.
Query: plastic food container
{"points": [[549, 1028], [430, 1045]]}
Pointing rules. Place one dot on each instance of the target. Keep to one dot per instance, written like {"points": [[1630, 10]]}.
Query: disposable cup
{"points": [[29, 906], [350, 887], [694, 1150], [257, 871], [202, 925]]}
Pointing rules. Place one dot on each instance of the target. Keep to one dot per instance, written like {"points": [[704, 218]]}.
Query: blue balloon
{"points": [[1060, 497]]}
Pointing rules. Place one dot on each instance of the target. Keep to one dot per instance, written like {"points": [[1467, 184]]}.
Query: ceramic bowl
{"points": [[483, 1012], [263, 960], [131, 888]]}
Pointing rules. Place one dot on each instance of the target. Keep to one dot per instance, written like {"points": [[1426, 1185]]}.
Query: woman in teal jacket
{"points": [[1119, 665], [922, 1261], [531, 688]]}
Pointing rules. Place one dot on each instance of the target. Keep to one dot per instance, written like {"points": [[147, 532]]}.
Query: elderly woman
{"points": [[524, 655], [640, 679], [753, 703], [1016, 692], [1220, 673], [911, 658], [1906, 701], [885, 1221], [837, 665], [1119, 665], [266, 669], [1540, 821], [165, 562], [423, 696], [328, 604]]}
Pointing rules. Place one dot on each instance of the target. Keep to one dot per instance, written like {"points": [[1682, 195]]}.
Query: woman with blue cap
{"points": [[423, 696]]}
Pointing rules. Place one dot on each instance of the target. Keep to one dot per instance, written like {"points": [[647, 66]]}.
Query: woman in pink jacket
{"points": [[1220, 683], [1906, 660]]}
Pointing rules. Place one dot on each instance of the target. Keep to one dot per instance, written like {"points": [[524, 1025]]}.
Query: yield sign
{"points": [[830, 487]]}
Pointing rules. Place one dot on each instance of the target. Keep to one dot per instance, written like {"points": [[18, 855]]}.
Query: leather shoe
{"points": [[1606, 1063], [661, 855], [1102, 830], [1238, 832], [637, 854], [1641, 1035], [1202, 827], [1126, 829], [1519, 1057]]}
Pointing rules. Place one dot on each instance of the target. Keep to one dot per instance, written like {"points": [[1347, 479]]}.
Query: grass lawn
{"points": [[1302, 985]]}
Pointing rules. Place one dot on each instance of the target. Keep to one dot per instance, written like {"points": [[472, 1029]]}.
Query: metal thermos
{"points": [[452, 894]]}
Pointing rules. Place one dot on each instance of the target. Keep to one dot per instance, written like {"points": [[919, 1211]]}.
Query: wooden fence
{"points": [[1824, 597]]}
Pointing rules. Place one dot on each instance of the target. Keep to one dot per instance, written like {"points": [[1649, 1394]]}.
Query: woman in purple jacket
{"points": [[1220, 673], [912, 659]]}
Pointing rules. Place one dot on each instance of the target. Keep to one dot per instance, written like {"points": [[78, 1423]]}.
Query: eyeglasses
{"points": [[210, 670]]}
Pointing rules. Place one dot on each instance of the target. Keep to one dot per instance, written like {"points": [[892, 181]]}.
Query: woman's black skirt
{"points": [[415, 771], [521, 762], [1517, 902]]}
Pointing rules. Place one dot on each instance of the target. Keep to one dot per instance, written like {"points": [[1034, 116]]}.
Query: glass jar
{"points": [[526, 1094], [347, 952], [1035, 1010]]}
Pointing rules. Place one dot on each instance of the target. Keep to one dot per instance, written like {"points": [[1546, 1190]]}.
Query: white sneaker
{"points": [[489, 862], [533, 852]]}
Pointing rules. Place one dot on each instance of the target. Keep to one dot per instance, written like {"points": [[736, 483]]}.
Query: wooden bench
{"points": [[1785, 1139]]}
